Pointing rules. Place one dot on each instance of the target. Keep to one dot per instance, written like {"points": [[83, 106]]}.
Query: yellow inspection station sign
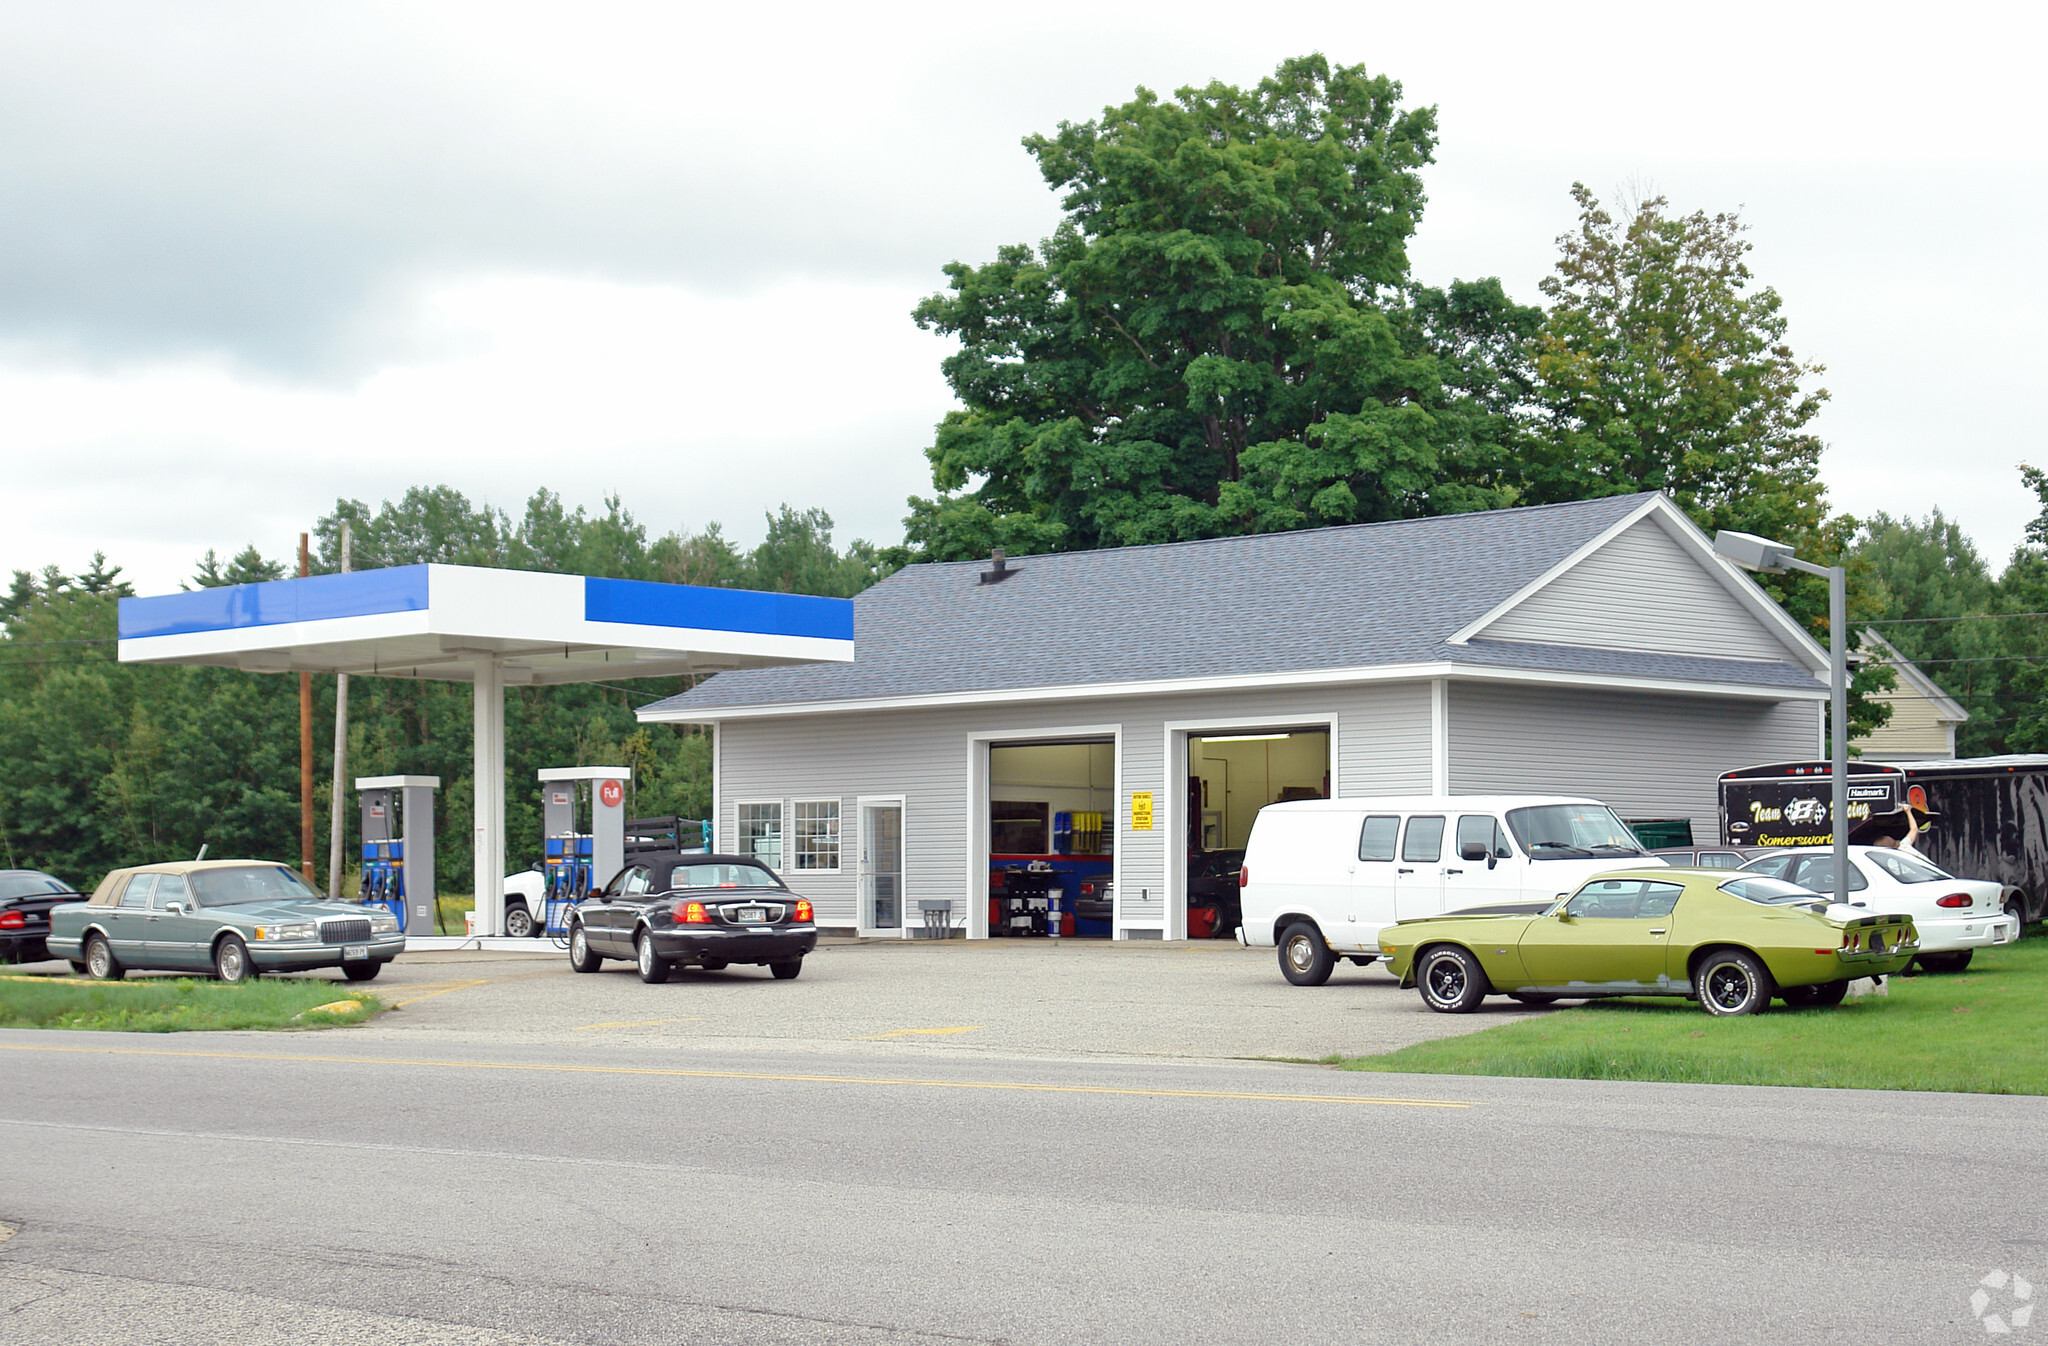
{"points": [[1141, 811]]}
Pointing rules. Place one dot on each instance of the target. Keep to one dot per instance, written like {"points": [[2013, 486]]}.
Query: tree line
{"points": [[1981, 636], [104, 764], [1222, 336]]}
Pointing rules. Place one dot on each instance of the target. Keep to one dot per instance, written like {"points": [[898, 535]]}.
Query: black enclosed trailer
{"points": [[1991, 813]]}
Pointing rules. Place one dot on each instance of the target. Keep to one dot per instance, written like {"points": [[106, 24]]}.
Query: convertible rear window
{"points": [[721, 876], [29, 885], [250, 883], [1770, 892]]}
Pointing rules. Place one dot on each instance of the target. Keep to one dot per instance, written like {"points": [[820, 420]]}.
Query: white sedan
{"points": [[1955, 917]]}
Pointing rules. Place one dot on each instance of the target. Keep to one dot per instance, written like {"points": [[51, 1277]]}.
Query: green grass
{"points": [[1979, 1032], [165, 1005]]}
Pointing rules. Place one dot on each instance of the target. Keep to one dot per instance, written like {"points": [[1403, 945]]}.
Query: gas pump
{"points": [[577, 861], [398, 847]]}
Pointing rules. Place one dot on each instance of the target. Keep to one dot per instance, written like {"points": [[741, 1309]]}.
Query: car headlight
{"points": [[293, 930], [383, 923]]}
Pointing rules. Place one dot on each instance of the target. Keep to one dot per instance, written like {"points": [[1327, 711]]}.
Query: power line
{"points": [[1969, 617]]}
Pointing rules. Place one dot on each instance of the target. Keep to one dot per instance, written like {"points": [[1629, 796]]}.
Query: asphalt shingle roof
{"points": [[1325, 598]]}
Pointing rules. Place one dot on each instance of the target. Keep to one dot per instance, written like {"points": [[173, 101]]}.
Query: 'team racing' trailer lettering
{"points": [[1789, 804], [1990, 813]]}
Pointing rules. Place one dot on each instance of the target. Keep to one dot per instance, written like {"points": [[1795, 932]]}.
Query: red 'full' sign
{"points": [[611, 793]]}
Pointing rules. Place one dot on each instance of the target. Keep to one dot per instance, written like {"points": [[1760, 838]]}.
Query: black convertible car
{"points": [[666, 911], [26, 896]]}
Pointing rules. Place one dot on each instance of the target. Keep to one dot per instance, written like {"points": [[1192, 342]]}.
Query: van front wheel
{"points": [[1305, 957]]}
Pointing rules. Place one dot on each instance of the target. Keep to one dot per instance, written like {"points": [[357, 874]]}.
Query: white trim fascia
{"points": [[1324, 677], [1591, 545], [1119, 847], [718, 793], [1439, 736], [1946, 707]]}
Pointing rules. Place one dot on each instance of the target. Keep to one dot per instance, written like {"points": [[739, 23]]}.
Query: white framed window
{"points": [[760, 832], [814, 834]]}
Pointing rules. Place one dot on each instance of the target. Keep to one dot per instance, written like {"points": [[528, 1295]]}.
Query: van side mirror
{"points": [[174, 908], [1474, 850]]}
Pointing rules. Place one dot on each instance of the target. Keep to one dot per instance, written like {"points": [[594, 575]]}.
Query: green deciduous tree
{"points": [[2023, 588], [1221, 335], [1939, 608], [1661, 367]]}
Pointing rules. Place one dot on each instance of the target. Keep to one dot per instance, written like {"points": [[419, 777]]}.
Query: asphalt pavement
{"points": [[590, 1183], [1198, 1000]]}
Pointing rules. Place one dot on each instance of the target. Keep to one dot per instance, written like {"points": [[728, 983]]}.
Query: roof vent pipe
{"points": [[999, 568]]}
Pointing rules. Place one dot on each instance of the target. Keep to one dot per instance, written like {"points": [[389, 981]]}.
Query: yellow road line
{"points": [[641, 1023], [915, 1032], [446, 987], [998, 1086]]}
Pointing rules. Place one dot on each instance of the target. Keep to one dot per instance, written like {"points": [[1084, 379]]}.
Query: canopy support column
{"points": [[490, 796]]}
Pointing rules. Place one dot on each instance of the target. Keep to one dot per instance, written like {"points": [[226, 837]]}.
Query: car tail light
{"points": [[692, 913], [1244, 877], [11, 920], [1954, 900], [803, 911]]}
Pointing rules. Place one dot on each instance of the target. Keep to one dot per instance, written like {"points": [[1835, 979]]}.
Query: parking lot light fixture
{"points": [[1775, 558]]}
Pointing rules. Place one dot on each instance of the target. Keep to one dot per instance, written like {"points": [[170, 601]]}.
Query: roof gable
{"points": [[1652, 586]]}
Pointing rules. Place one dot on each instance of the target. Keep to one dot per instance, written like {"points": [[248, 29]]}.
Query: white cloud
{"points": [[255, 257], [694, 409]]}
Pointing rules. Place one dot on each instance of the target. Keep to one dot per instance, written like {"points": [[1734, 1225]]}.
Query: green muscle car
{"points": [[1729, 941], [232, 918]]}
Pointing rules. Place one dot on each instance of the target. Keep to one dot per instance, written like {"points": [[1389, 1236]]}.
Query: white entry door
{"points": [[881, 866]]}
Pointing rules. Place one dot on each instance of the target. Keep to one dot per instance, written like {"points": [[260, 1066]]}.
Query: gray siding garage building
{"points": [[1148, 700]]}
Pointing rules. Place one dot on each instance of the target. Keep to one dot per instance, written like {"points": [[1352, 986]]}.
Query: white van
{"points": [[1322, 877]]}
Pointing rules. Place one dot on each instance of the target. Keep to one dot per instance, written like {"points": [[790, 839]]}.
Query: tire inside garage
{"points": [[1051, 830]]}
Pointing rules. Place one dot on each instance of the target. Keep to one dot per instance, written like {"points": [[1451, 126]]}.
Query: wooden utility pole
{"points": [[337, 815], [306, 743]]}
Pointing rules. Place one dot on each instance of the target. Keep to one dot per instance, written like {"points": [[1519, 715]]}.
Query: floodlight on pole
{"points": [[1775, 558]]}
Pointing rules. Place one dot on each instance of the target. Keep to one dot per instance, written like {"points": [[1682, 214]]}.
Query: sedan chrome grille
{"points": [[344, 932]]}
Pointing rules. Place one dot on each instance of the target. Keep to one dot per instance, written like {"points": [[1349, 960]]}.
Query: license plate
{"points": [[349, 951], [752, 914]]}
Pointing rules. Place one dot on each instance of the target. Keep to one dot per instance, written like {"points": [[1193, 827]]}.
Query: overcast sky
{"points": [[257, 256]]}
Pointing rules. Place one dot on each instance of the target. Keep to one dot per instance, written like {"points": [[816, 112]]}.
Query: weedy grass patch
{"points": [[1982, 1031], [179, 1005]]}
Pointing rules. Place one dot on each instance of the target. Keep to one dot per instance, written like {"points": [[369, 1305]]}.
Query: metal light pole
{"points": [[1775, 558]]}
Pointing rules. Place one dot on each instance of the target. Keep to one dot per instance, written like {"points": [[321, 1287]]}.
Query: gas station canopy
{"points": [[434, 621], [489, 628]]}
